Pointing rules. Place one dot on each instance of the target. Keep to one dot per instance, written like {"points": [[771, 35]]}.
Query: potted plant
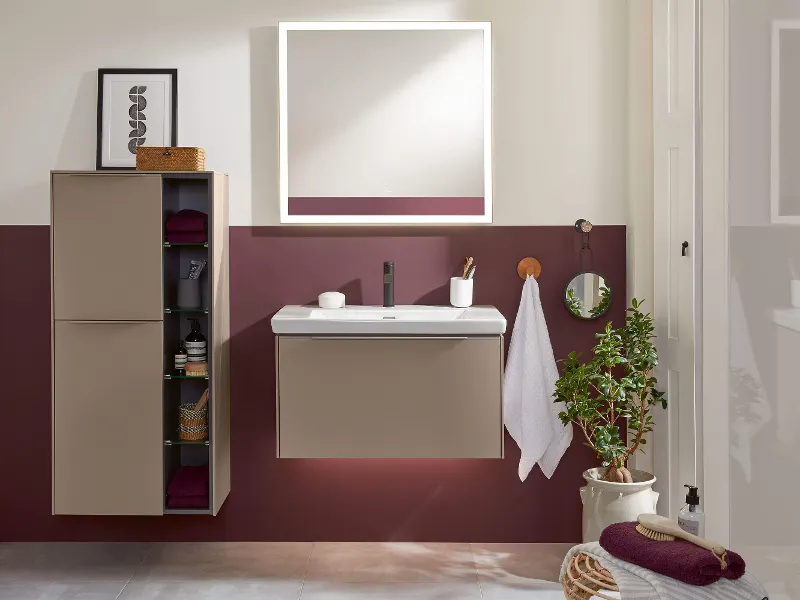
{"points": [[599, 395]]}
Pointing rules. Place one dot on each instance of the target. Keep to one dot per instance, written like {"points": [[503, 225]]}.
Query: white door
{"points": [[675, 253]]}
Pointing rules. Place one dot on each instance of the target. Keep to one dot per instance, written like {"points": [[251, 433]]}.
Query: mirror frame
{"points": [[608, 285], [285, 27]]}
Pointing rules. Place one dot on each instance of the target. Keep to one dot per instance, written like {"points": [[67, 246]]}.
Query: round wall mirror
{"points": [[587, 295]]}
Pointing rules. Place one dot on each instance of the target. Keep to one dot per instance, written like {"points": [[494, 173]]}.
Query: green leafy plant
{"points": [[616, 383], [602, 306], [573, 303]]}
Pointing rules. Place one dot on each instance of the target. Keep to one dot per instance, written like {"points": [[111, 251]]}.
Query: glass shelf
{"points": [[185, 443], [185, 244], [185, 377], [168, 311]]}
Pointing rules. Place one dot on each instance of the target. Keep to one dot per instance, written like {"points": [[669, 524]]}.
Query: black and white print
{"points": [[135, 107]]}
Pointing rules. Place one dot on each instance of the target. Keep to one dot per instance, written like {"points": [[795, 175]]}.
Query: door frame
{"points": [[715, 366]]}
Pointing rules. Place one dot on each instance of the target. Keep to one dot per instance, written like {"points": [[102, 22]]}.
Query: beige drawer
{"points": [[390, 397]]}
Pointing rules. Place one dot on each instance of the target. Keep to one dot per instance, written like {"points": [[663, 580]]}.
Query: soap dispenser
{"points": [[690, 518], [195, 344]]}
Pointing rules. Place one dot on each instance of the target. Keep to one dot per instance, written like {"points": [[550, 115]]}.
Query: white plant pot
{"points": [[606, 502]]}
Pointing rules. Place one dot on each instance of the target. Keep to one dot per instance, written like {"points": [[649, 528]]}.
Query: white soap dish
{"points": [[331, 300]]}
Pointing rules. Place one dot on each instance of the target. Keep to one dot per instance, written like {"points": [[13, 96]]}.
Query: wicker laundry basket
{"points": [[193, 423], [155, 158], [585, 578]]}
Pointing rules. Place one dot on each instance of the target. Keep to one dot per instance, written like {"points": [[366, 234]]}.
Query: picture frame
{"points": [[135, 107]]}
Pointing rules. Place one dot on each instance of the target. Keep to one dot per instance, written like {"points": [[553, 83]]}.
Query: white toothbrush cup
{"points": [[796, 293], [461, 292]]}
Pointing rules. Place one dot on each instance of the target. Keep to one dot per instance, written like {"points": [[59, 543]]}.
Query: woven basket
{"points": [[155, 158], [585, 578], [193, 423]]}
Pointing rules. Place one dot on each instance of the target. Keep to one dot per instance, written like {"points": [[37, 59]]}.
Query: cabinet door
{"points": [[107, 247], [107, 418], [390, 398]]}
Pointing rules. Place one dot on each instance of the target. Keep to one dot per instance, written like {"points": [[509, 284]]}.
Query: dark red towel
{"points": [[187, 220], [189, 481], [679, 559], [187, 502], [187, 237]]}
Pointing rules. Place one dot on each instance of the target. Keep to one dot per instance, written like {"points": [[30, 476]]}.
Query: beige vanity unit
{"points": [[400, 382], [116, 326]]}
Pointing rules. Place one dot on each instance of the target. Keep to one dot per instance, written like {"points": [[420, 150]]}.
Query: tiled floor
{"points": [[281, 571]]}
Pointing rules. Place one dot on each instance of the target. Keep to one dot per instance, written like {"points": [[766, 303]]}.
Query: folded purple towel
{"points": [[189, 481], [187, 502], [187, 220], [187, 237], [679, 559]]}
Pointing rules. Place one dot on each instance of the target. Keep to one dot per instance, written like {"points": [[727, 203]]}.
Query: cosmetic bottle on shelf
{"points": [[196, 343], [181, 357]]}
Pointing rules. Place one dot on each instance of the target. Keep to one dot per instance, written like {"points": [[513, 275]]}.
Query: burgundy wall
{"points": [[271, 499]]}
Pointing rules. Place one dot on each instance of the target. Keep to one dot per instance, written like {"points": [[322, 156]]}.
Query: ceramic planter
{"points": [[606, 502]]}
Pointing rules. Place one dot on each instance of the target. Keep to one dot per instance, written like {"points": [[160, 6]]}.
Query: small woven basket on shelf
{"points": [[156, 158], [585, 578], [193, 423]]}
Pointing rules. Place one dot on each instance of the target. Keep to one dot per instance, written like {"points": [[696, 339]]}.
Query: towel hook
{"points": [[529, 266]]}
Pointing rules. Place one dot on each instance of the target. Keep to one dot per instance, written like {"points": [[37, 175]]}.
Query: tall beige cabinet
{"points": [[116, 326]]}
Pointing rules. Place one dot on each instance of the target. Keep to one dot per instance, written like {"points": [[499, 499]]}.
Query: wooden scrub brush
{"points": [[661, 529]]}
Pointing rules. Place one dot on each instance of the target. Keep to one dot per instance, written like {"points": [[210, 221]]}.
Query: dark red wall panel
{"points": [[338, 500]]}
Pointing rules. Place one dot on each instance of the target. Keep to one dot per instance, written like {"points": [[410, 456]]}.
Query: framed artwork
{"points": [[135, 107]]}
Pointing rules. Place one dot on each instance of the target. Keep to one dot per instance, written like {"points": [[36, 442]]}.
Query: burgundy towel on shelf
{"points": [[187, 220], [187, 502], [189, 481], [678, 559], [187, 237]]}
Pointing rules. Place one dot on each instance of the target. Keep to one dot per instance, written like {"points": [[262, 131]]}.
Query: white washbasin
{"points": [[397, 320], [376, 313]]}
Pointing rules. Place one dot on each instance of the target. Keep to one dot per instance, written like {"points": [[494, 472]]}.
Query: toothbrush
{"points": [[467, 264], [471, 272]]}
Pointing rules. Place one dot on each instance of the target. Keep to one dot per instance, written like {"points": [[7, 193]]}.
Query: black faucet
{"points": [[388, 283]]}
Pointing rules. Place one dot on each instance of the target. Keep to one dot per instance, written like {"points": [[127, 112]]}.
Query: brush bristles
{"points": [[654, 535]]}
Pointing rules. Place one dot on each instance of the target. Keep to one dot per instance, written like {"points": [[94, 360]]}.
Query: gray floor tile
{"points": [[70, 562], [520, 571], [390, 562], [33, 590], [212, 590], [233, 561], [453, 590]]}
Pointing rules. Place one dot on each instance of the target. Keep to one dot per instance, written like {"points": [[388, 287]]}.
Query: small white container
{"points": [[461, 292], [795, 293], [331, 300]]}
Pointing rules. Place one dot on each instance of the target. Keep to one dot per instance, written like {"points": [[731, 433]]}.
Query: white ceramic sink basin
{"points": [[374, 313], [398, 320]]}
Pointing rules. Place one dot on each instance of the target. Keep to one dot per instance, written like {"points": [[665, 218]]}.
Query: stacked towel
{"points": [[678, 559], [187, 226], [638, 583], [188, 488]]}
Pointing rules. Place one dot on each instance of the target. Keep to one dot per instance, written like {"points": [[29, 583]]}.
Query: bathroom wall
{"points": [[572, 131], [560, 94], [287, 499]]}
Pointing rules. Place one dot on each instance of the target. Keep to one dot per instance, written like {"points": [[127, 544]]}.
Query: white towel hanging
{"points": [[531, 416]]}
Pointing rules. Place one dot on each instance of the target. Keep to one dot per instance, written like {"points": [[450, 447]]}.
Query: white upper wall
{"points": [[561, 90]]}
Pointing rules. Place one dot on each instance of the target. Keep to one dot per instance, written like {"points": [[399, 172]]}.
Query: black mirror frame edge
{"points": [[174, 128], [610, 290]]}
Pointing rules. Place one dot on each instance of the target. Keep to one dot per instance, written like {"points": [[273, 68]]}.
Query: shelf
{"points": [[187, 511], [185, 377], [168, 311], [185, 244], [185, 443]]}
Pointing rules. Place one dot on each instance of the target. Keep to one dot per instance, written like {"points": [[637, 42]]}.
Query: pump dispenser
{"points": [[690, 518]]}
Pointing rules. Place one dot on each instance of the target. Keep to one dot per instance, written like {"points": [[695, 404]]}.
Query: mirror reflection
{"points": [[587, 295]]}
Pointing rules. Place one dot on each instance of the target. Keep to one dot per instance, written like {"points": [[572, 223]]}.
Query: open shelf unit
{"points": [[117, 446]]}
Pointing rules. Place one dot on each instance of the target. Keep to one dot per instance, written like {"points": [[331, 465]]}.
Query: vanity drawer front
{"points": [[390, 397]]}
